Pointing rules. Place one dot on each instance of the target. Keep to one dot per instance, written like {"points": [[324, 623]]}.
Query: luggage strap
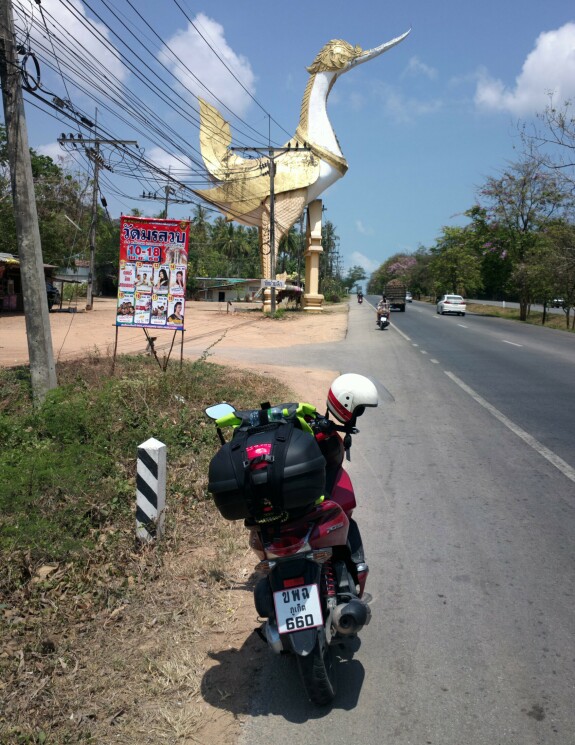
{"points": [[264, 499]]}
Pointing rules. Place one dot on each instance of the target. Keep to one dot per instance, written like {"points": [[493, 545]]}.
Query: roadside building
{"points": [[11, 299]]}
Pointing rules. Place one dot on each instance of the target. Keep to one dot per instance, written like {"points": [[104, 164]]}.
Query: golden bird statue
{"points": [[311, 162]]}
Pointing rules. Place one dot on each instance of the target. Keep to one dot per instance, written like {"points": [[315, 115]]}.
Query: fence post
{"points": [[150, 490]]}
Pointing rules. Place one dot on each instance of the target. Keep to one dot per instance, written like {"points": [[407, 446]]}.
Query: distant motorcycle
{"points": [[360, 298], [383, 322], [383, 315]]}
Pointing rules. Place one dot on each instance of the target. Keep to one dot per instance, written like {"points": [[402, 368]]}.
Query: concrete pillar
{"points": [[150, 490], [312, 300]]}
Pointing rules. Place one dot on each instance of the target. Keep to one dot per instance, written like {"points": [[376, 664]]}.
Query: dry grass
{"points": [[535, 318], [136, 645], [132, 673]]}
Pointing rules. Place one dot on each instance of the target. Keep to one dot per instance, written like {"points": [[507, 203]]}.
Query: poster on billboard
{"points": [[152, 273]]}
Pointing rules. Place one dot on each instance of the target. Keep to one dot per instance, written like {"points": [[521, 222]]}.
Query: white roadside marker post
{"points": [[150, 490]]}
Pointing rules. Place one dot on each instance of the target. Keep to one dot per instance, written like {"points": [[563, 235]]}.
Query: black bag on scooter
{"points": [[266, 471]]}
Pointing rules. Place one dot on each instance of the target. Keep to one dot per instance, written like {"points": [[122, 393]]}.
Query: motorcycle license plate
{"points": [[298, 608]]}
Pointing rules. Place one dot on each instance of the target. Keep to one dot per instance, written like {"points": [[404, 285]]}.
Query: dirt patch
{"points": [[208, 325], [174, 656]]}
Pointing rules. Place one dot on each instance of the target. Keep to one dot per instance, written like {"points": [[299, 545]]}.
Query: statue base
{"points": [[312, 301]]}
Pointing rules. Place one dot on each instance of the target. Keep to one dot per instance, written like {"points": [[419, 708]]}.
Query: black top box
{"points": [[301, 483]]}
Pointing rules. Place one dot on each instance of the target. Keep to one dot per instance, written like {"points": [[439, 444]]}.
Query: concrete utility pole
{"points": [[167, 198], [271, 153], [96, 158], [42, 367], [93, 223]]}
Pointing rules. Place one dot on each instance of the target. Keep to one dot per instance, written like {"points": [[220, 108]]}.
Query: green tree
{"points": [[60, 197], [354, 275], [455, 266], [560, 238], [420, 279], [330, 280], [289, 251], [520, 204], [397, 266]]}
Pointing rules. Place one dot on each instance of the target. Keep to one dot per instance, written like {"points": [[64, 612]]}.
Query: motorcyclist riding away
{"points": [[382, 308]]}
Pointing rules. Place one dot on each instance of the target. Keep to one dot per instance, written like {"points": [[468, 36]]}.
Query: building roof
{"points": [[11, 259], [8, 258]]}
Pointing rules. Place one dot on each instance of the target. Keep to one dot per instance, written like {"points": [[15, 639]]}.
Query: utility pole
{"points": [[38, 332], [272, 154], [93, 223], [94, 154], [168, 190]]}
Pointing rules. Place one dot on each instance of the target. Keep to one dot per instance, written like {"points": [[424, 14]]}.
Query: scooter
{"points": [[383, 319], [312, 567], [360, 299], [383, 322]]}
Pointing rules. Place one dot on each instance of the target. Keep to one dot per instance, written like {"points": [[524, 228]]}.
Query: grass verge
{"points": [[99, 635], [535, 318]]}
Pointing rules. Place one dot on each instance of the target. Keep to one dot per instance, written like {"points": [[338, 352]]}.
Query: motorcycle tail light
{"points": [[294, 582], [286, 541], [286, 545]]}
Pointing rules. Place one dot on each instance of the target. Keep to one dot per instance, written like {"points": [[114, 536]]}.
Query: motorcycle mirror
{"points": [[217, 411]]}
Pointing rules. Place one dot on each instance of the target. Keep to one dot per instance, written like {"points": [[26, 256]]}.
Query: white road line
{"points": [[415, 345], [435, 362], [423, 351], [549, 455], [463, 326], [511, 342], [405, 336]]}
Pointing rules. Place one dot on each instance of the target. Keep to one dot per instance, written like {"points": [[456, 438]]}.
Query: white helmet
{"points": [[349, 395]]}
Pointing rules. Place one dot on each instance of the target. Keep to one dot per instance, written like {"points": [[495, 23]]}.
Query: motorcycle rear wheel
{"points": [[318, 674]]}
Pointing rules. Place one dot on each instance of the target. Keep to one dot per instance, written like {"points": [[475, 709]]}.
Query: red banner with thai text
{"points": [[153, 272]]}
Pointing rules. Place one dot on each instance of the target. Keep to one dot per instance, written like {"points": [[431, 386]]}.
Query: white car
{"points": [[408, 297], [451, 304]]}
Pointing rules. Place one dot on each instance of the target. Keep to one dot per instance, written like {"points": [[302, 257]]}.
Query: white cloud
{"points": [[359, 259], [165, 161], [187, 49], [71, 29], [54, 151], [548, 68], [416, 67], [362, 229], [403, 109]]}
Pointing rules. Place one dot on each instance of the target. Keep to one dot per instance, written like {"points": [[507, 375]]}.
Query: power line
{"points": [[227, 67]]}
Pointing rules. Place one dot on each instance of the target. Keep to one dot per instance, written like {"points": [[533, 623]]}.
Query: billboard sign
{"points": [[153, 271]]}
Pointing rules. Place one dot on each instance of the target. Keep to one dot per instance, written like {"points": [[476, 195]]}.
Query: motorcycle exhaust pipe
{"points": [[273, 637], [350, 618]]}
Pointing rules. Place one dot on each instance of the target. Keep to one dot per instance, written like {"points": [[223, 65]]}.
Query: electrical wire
{"points": [[114, 94], [227, 66]]}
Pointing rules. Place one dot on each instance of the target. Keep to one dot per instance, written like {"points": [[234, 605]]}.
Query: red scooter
{"points": [[282, 473]]}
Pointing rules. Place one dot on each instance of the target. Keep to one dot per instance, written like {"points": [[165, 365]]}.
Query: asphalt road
{"points": [[465, 480]]}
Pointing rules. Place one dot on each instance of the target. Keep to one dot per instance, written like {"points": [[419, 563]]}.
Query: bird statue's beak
{"points": [[371, 53]]}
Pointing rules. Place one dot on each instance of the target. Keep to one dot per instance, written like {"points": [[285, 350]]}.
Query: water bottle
{"points": [[275, 414]]}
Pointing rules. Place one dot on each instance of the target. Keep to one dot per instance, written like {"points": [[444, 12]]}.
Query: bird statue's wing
{"points": [[244, 183], [215, 141]]}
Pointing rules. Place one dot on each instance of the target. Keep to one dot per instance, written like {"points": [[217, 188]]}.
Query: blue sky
{"points": [[421, 126]]}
